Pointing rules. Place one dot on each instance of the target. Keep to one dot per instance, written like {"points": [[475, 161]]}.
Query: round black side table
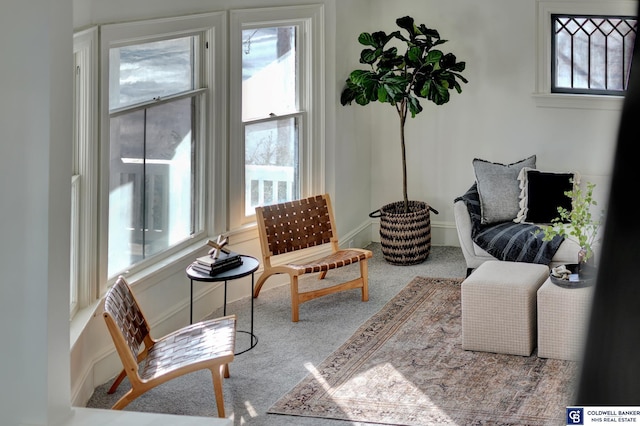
{"points": [[249, 267]]}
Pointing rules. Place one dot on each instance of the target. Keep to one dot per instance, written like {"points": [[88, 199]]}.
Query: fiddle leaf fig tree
{"points": [[401, 77]]}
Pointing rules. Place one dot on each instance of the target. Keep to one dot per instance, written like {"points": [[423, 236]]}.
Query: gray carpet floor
{"points": [[286, 350]]}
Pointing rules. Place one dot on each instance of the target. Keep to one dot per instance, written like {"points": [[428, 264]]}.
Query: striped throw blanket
{"points": [[509, 241]]}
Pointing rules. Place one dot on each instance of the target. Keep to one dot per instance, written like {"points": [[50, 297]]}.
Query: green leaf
{"points": [[392, 93], [418, 84], [434, 57], [464, 80], [382, 93], [359, 77], [395, 84], [448, 61], [407, 23], [458, 67], [370, 89], [414, 106], [414, 55], [425, 89], [380, 39], [361, 99], [347, 96], [430, 33], [440, 95], [369, 56], [390, 60], [366, 39], [391, 78]]}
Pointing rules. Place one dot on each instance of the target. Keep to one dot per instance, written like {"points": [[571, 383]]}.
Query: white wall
{"points": [[349, 156], [495, 117], [35, 161]]}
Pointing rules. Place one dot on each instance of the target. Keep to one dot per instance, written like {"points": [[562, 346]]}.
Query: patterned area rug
{"points": [[406, 366]]}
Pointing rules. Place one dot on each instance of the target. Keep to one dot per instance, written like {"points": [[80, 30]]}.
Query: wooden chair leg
{"points": [[226, 371], [126, 399], [364, 273], [117, 382], [217, 388], [141, 356], [295, 302], [259, 284], [322, 275]]}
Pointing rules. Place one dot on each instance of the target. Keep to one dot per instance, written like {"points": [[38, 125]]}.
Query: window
{"points": [[154, 110], [174, 168], [591, 54], [277, 113], [583, 52], [158, 86], [83, 284], [270, 115], [74, 262]]}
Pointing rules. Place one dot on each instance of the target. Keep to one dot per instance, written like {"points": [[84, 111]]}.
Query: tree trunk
{"points": [[402, 112]]}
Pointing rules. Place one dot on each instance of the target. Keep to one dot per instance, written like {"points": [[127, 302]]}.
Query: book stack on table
{"points": [[212, 266]]}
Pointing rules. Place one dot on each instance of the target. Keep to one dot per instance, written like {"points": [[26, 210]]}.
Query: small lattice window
{"points": [[592, 54]]}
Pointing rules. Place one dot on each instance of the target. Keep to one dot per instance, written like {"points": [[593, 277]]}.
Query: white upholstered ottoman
{"points": [[563, 318], [499, 307]]}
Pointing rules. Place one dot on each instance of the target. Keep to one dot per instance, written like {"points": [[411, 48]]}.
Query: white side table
{"points": [[563, 319]]}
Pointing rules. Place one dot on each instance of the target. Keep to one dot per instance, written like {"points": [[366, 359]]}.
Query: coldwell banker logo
{"points": [[575, 416]]}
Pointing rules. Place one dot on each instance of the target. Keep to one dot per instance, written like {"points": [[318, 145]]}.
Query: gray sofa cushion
{"points": [[499, 188]]}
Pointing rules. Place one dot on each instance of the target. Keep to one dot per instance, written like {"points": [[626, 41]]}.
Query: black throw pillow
{"points": [[545, 192]]}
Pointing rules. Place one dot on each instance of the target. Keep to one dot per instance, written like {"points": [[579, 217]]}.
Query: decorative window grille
{"points": [[591, 54]]}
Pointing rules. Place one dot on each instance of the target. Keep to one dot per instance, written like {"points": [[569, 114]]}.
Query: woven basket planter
{"points": [[405, 237]]}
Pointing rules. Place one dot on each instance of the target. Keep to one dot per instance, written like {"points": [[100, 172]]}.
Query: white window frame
{"points": [[310, 20], [211, 159], [543, 95], [84, 214]]}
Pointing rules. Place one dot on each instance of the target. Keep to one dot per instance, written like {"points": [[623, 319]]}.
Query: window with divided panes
{"points": [[591, 54]]}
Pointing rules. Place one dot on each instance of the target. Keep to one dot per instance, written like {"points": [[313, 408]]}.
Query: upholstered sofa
{"points": [[475, 256], [467, 214]]}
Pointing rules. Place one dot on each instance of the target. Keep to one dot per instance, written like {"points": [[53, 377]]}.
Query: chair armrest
{"points": [[463, 225]]}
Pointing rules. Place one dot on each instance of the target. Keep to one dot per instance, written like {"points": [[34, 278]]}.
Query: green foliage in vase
{"points": [[399, 78], [578, 223]]}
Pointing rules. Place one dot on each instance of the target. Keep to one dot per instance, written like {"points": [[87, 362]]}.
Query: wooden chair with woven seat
{"points": [[301, 224], [204, 345]]}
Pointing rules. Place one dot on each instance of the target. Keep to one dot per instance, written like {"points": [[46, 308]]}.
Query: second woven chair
{"points": [[301, 224], [149, 362]]}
